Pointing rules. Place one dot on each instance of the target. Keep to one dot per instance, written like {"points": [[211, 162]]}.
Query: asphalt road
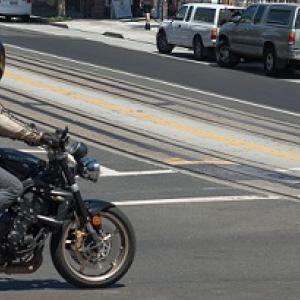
{"points": [[193, 250], [233, 83], [222, 250]]}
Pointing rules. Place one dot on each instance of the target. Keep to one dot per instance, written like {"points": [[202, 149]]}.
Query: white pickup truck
{"points": [[195, 26]]}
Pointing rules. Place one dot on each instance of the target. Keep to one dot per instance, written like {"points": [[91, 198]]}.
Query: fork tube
{"points": [[76, 192], [79, 201]]}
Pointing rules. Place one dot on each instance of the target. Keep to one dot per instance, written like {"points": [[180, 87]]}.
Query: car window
{"points": [[226, 15], [181, 13], [189, 13], [206, 15], [259, 14], [297, 25], [249, 13], [279, 16]]}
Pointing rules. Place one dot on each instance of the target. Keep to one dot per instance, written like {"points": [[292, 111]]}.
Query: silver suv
{"points": [[265, 31], [195, 26]]}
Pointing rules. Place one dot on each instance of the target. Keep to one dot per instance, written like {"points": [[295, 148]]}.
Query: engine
{"points": [[23, 236]]}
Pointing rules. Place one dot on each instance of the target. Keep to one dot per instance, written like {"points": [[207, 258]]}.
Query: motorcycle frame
{"points": [[84, 209]]}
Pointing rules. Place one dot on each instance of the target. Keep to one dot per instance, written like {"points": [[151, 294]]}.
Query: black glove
{"points": [[51, 140], [33, 142]]}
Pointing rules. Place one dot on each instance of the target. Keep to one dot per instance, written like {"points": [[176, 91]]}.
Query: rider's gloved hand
{"points": [[50, 139]]}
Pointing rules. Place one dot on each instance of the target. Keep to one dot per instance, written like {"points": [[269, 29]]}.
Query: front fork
{"points": [[80, 205]]}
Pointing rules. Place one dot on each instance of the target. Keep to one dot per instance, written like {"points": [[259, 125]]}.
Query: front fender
{"points": [[95, 205]]}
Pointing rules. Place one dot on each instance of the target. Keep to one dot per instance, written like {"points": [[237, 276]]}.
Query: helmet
{"points": [[2, 60]]}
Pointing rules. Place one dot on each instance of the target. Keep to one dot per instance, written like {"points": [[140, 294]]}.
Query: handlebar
{"points": [[57, 140]]}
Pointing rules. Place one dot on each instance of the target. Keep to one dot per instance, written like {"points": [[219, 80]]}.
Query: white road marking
{"points": [[32, 151], [107, 172], [184, 59], [197, 200], [232, 99], [287, 170], [292, 80]]}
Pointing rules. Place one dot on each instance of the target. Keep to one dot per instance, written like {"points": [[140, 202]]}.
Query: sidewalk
{"points": [[123, 29]]}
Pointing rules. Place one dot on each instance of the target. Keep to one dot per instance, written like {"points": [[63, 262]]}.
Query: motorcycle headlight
{"points": [[90, 169]]}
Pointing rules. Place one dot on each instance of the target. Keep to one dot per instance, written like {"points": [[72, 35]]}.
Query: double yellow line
{"points": [[197, 132]]}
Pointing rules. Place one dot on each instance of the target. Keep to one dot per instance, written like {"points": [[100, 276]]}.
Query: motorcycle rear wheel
{"points": [[79, 267]]}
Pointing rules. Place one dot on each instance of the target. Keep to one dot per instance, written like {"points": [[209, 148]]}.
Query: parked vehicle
{"points": [[195, 26], [92, 242], [268, 32], [16, 8]]}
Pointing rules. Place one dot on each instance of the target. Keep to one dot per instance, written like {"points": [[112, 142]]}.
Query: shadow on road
{"points": [[255, 68], [10, 284], [190, 56]]}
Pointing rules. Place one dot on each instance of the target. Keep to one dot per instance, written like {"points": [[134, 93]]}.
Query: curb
{"points": [[113, 34], [59, 25]]}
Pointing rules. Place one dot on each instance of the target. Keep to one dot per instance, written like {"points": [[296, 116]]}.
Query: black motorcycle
{"points": [[92, 242]]}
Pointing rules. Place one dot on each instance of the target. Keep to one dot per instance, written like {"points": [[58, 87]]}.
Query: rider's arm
{"points": [[15, 129]]}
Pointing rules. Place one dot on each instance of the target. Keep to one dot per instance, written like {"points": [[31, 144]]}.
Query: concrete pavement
{"points": [[124, 29]]}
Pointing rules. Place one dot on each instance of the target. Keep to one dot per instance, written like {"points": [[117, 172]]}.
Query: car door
{"points": [[175, 29], [240, 35], [255, 34], [203, 23], [185, 32]]}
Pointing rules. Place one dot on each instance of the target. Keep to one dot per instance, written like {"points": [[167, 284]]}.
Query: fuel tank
{"points": [[21, 164]]}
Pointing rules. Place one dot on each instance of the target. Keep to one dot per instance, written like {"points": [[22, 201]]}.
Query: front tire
{"points": [[162, 43], [66, 256], [26, 18], [225, 57]]}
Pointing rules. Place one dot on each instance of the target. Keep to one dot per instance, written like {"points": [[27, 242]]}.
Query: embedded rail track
{"points": [[148, 145]]}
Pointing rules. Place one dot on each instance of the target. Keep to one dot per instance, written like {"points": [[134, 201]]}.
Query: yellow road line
{"points": [[177, 161], [198, 132]]}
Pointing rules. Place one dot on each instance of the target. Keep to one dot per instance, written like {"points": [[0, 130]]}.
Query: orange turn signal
{"points": [[96, 220]]}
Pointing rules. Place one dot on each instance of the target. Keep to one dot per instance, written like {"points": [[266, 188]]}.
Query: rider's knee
{"points": [[16, 187]]}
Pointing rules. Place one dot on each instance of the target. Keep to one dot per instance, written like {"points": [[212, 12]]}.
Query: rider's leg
{"points": [[10, 188]]}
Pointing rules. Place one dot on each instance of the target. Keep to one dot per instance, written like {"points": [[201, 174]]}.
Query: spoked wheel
{"points": [[86, 264]]}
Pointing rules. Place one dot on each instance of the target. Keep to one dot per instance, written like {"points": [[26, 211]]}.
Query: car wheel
{"points": [[225, 57], [26, 18], [8, 18], [198, 48], [272, 65], [162, 43]]}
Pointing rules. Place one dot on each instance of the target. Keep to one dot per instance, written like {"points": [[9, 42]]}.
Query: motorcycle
{"points": [[92, 243]]}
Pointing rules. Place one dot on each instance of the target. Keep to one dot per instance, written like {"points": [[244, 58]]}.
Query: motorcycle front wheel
{"points": [[83, 263]]}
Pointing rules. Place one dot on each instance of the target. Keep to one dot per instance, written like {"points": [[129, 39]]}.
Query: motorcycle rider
{"points": [[11, 127]]}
